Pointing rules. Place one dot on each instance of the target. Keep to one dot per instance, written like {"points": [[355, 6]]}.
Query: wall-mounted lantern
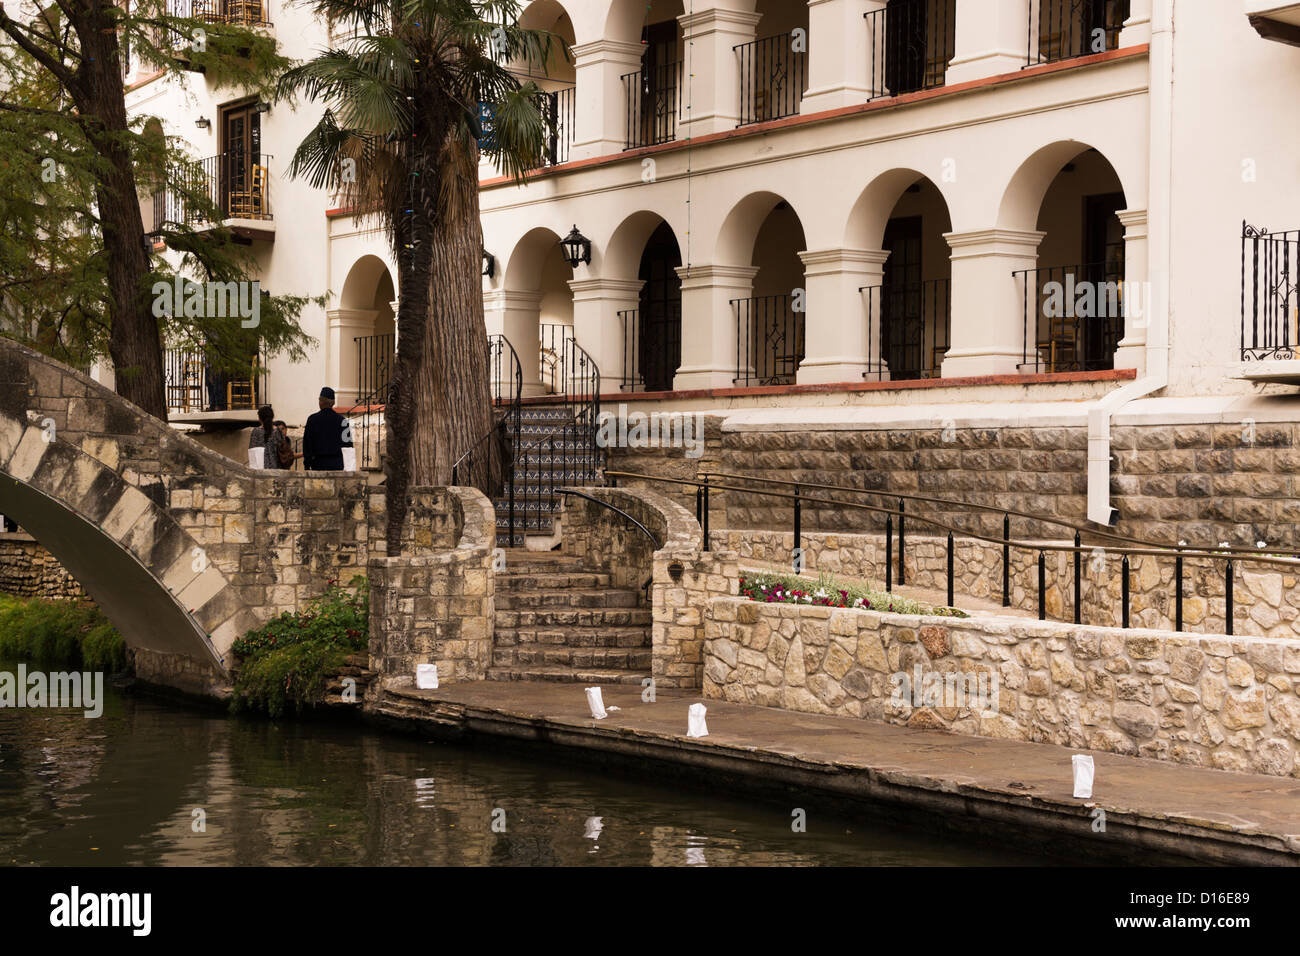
{"points": [[577, 248], [203, 123], [489, 264]]}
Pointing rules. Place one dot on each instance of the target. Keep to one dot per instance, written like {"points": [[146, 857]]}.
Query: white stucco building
{"points": [[911, 210]]}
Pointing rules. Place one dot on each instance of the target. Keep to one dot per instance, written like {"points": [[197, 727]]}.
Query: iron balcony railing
{"points": [[1073, 316], [769, 340], [652, 97], [550, 359], [652, 349], [194, 383], [1270, 294], [909, 44], [559, 108], [908, 329], [237, 184], [773, 78], [376, 356], [241, 12], [1065, 29]]}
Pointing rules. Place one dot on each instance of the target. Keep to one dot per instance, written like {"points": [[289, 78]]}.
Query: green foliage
{"points": [[286, 661], [69, 633], [826, 591]]}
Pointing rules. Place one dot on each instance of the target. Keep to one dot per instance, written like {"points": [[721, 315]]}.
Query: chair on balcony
{"points": [[250, 203], [244, 11], [186, 395], [242, 394]]}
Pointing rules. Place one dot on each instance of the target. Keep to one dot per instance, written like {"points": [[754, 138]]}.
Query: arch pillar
{"points": [[709, 323], [1137, 28], [1131, 352], [709, 36], [342, 326], [991, 38], [596, 325], [988, 320], [836, 343], [839, 68], [515, 315], [600, 121]]}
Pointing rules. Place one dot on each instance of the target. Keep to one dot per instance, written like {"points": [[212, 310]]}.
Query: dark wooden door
{"points": [[1103, 254], [241, 145], [902, 326], [660, 345]]}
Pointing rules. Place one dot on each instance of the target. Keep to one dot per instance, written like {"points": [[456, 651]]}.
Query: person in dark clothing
{"points": [[325, 436]]}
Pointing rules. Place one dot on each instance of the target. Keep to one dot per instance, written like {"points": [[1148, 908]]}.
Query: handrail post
{"points": [[1006, 560], [950, 568], [889, 554], [1042, 585], [1178, 591], [510, 526], [798, 517], [902, 579], [1078, 579], [699, 505], [1228, 594], [705, 522], [1124, 586]]}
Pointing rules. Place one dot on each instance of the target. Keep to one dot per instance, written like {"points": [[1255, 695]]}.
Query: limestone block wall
{"points": [[27, 570], [671, 462], [435, 604], [1266, 599], [1225, 703], [683, 576]]}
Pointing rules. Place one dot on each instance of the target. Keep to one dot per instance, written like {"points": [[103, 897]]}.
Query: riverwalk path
{"points": [[1007, 791]]}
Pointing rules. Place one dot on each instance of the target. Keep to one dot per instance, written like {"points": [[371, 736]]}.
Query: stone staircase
{"points": [[558, 621], [547, 455]]}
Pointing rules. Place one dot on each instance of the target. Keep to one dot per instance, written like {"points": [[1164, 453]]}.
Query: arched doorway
{"points": [[659, 336], [363, 332], [771, 323]]}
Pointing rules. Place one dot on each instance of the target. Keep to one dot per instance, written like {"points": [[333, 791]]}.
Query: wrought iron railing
{"points": [[1270, 294], [1073, 316], [652, 95], [652, 348], [1065, 29], [909, 44], [769, 340], [908, 328], [773, 77], [559, 108], [376, 356], [193, 382], [237, 184], [550, 358], [241, 12], [507, 378]]}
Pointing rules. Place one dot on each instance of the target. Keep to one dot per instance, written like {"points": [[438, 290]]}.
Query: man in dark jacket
{"points": [[325, 436]]}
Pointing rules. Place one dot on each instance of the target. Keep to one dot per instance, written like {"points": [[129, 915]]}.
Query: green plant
{"points": [[287, 661], [59, 633], [827, 592]]}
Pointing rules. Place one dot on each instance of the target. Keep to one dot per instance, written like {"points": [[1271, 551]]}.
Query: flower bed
{"points": [[827, 592]]}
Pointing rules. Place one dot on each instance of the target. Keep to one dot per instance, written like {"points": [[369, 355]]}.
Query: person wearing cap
{"points": [[325, 436]]}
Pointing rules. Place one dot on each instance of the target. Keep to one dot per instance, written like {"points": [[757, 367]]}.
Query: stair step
{"points": [[523, 580], [604, 618], [630, 637], [586, 658], [567, 675], [508, 601]]}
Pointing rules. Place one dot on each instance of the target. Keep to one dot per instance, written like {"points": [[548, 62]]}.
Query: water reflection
{"points": [[125, 788]]}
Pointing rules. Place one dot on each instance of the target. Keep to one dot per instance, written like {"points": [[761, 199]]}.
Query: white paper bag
{"points": [[426, 676], [349, 459], [695, 722], [595, 703], [1083, 773], [591, 829], [257, 458]]}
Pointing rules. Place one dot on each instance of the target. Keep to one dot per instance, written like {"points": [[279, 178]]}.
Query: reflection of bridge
{"points": [[182, 548]]}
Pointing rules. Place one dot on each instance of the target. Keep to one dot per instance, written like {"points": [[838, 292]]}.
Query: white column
{"points": [[992, 37], [516, 315], [988, 302], [344, 325], [1132, 349], [393, 305], [839, 61], [1137, 28], [600, 120], [597, 326], [710, 73], [709, 323], [836, 344]]}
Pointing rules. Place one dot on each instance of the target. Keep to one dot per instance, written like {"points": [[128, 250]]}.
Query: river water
{"points": [[152, 783]]}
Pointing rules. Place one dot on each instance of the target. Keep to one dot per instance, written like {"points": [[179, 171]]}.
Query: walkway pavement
{"points": [[1155, 811]]}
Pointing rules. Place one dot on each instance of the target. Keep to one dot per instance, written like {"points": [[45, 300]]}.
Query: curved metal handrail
{"points": [[605, 504], [498, 347]]}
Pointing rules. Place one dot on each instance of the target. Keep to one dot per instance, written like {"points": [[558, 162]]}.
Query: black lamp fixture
{"points": [[263, 106], [489, 264], [203, 122], [577, 248]]}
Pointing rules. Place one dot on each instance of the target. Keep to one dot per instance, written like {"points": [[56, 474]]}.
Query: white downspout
{"points": [[1160, 225]]}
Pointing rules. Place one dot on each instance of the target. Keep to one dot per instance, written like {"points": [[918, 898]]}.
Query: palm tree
{"points": [[400, 140]]}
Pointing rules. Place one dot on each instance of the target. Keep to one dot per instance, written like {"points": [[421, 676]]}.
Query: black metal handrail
{"points": [[902, 319], [1270, 294], [769, 339], [1065, 29], [652, 95], [193, 383], [551, 339], [1073, 316], [909, 44], [773, 78], [617, 510], [652, 351], [1180, 554], [559, 108], [376, 356], [507, 378], [238, 185]]}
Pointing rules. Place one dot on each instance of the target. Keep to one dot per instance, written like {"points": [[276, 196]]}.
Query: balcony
{"points": [[769, 340], [652, 95], [909, 44], [200, 393], [1270, 305], [248, 13], [773, 78], [238, 185], [909, 327], [558, 108], [1065, 29], [1274, 20], [1073, 316]]}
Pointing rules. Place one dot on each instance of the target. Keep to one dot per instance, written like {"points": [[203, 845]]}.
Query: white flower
{"points": [[1261, 544]]}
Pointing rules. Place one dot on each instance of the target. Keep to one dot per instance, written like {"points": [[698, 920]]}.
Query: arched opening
{"points": [[533, 309], [1073, 299], [557, 76], [654, 93], [554, 317], [365, 329]]}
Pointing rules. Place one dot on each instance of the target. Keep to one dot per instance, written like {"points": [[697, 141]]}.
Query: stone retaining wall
{"points": [[435, 605], [1225, 703], [27, 570]]}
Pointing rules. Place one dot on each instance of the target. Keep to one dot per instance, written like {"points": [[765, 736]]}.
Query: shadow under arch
{"points": [[1023, 196], [870, 215]]}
